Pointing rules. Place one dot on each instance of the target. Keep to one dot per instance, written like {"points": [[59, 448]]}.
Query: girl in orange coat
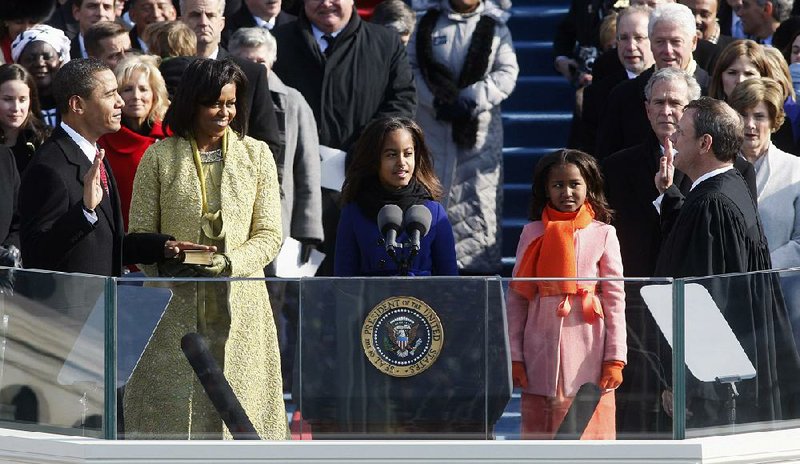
{"points": [[566, 333]]}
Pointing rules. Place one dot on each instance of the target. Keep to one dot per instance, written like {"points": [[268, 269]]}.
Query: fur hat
{"points": [[38, 10]]}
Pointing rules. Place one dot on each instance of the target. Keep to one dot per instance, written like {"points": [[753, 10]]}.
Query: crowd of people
{"points": [[135, 131]]}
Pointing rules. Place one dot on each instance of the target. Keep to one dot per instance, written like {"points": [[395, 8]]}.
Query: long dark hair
{"points": [[201, 84], [367, 157], [33, 123], [590, 172]]}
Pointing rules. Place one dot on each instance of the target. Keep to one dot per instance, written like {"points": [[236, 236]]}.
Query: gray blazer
{"points": [[301, 201]]}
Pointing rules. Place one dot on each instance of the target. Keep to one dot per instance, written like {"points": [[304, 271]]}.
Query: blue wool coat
{"points": [[360, 250]]}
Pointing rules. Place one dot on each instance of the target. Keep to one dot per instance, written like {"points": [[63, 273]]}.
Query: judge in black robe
{"points": [[715, 229]]}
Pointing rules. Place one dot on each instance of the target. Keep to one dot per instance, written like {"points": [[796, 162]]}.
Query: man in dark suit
{"points": [[633, 55], [205, 18], [88, 13], [68, 201], [256, 13], [144, 13], [672, 40]]}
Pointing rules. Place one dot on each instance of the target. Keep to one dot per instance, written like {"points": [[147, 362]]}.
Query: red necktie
{"points": [[103, 175]]}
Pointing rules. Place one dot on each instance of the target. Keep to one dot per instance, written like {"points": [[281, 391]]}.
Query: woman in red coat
{"points": [[145, 94]]}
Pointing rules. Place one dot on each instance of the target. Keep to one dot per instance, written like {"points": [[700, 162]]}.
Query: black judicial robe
{"points": [[717, 230]]}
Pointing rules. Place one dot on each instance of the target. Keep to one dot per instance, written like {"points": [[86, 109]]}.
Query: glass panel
{"points": [[51, 352], [402, 357], [560, 351], [172, 386], [742, 365]]}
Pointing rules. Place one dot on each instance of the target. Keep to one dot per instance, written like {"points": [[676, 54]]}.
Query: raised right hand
{"points": [[666, 169], [92, 188]]}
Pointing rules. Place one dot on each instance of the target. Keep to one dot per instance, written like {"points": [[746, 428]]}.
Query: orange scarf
{"points": [[558, 260]]}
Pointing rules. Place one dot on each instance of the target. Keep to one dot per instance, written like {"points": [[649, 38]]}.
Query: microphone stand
{"points": [[403, 264]]}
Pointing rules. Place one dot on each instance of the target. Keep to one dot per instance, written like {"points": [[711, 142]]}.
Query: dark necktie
{"points": [[331, 40]]}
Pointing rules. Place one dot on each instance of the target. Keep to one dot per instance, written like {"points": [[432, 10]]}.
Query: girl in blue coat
{"points": [[392, 166]]}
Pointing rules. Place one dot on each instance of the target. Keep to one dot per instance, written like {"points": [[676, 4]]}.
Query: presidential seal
{"points": [[402, 336]]}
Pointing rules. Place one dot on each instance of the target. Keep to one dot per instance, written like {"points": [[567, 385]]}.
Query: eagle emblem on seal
{"points": [[402, 333]]}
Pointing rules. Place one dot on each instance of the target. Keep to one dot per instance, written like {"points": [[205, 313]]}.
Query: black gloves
{"points": [[460, 109], [307, 245]]}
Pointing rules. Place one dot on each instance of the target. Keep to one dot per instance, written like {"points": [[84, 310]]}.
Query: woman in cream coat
{"points": [[464, 68], [760, 103], [216, 187]]}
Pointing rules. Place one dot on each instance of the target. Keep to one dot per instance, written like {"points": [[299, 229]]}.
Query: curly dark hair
{"points": [[367, 157], [590, 172]]}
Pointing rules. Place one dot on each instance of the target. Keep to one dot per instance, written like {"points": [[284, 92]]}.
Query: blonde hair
{"points": [[169, 39], [148, 65], [778, 70], [608, 31]]}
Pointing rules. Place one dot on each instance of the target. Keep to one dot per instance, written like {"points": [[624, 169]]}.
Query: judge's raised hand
{"points": [[173, 247], [92, 187], [666, 169]]}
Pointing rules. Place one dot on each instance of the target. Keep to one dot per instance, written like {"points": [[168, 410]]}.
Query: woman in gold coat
{"points": [[211, 184]]}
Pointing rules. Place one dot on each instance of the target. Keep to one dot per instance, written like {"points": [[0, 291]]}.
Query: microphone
{"points": [[389, 219], [417, 223], [217, 387]]}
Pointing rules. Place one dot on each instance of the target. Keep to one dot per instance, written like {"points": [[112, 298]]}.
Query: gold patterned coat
{"points": [[163, 398]]}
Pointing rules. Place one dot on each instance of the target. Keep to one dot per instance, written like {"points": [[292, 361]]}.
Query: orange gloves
{"points": [[611, 375], [518, 374]]}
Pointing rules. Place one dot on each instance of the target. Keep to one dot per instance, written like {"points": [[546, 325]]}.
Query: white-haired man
{"points": [[673, 38]]}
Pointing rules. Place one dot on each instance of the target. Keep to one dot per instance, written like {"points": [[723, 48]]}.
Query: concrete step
{"points": [[536, 22], [519, 163], [516, 200], [535, 57], [536, 129], [541, 93]]}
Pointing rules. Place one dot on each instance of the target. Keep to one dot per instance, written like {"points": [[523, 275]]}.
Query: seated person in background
{"points": [[391, 166]]}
